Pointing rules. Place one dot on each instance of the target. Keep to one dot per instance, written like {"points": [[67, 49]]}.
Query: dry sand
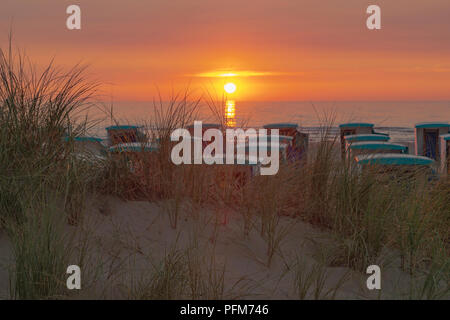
{"points": [[132, 236], [127, 238]]}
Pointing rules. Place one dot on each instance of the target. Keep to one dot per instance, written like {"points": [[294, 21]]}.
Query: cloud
{"points": [[242, 73]]}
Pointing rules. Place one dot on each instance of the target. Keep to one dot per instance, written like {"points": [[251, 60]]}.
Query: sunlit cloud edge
{"points": [[242, 73]]}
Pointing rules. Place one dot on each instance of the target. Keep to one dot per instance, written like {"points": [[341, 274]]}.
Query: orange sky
{"points": [[287, 49]]}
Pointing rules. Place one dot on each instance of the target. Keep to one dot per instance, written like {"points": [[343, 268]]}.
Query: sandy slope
{"points": [[128, 238], [140, 231]]}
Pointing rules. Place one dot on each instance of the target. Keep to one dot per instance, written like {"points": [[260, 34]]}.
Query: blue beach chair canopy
{"points": [[425, 125], [393, 159], [83, 139], [378, 145], [366, 137], [356, 125], [124, 127]]}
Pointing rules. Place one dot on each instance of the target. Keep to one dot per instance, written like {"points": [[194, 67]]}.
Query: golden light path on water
{"points": [[230, 113]]}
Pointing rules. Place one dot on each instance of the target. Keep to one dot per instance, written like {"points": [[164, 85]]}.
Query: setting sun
{"points": [[230, 87]]}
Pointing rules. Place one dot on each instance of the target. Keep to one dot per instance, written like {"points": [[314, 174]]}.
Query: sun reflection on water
{"points": [[230, 113]]}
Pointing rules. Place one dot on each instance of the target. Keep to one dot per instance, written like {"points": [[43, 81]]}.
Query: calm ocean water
{"points": [[394, 117]]}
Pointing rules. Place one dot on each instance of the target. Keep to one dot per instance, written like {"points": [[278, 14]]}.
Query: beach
{"points": [[132, 240], [202, 245], [206, 150]]}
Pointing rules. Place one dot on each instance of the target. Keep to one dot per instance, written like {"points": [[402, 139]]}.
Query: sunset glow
{"points": [[301, 52]]}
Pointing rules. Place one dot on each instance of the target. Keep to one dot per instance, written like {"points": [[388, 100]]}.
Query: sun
{"points": [[230, 87]]}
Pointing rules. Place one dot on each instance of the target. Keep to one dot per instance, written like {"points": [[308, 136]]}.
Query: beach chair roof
{"points": [[356, 125], [133, 147], [83, 139], [393, 159], [124, 127], [432, 124], [367, 137], [282, 125], [377, 145], [446, 137]]}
